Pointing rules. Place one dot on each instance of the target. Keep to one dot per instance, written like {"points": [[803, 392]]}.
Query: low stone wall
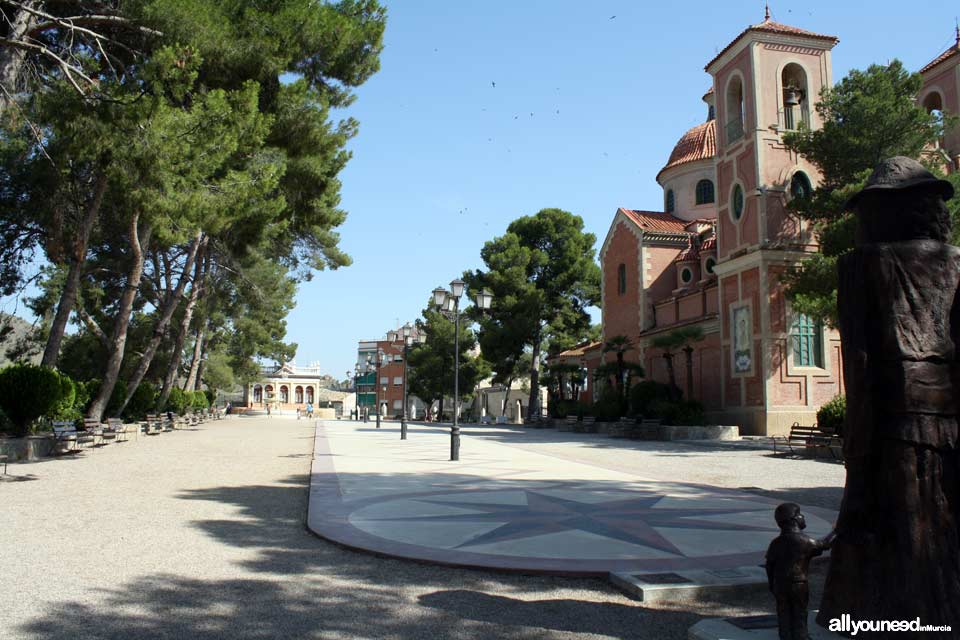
{"points": [[29, 448], [325, 414], [713, 432]]}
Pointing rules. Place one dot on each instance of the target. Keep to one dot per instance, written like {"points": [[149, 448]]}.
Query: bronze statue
{"points": [[788, 565], [897, 553]]}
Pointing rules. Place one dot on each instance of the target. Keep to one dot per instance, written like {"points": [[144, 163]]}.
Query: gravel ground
{"points": [[200, 534]]}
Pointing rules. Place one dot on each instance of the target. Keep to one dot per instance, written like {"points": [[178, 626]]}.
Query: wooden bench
{"points": [[64, 433], [567, 424], [91, 429], [114, 430], [645, 429], [804, 438], [153, 425]]}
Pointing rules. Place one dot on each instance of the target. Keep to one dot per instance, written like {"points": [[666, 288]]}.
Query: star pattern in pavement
{"points": [[633, 520]]}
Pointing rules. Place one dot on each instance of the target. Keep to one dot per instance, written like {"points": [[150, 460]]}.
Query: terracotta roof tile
{"points": [[655, 221], [710, 244], [691, 226], [578, 350], [699, 143], [692, 252], [769, 26], [949, 53]]}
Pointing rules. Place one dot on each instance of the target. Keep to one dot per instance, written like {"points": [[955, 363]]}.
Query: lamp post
{"points": [[449, 301], [408, 341], [377, 364]]}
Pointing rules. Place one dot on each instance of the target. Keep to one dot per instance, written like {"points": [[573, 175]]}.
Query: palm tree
{"points": [[683, 339], [619, 345]]}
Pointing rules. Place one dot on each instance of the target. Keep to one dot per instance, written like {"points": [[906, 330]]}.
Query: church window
{"points": [[686, 275], [298, 394], [671, 204], [734, 114], [622, 279], [807, 342], [704, 192], [710, 264], [800, 186], [284, 394], [736, 203], [796, 110], [933, 104]]}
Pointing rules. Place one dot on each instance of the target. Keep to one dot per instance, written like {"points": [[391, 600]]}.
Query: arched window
{"points": [[800, 186], [671, 205], [298, 395], [258, 393], [268, 391], [806, 338], [284, 394], [622, 279], [736, 203], [310, 394], [709, 265], [796, 110], [735, 121], [933, 104], [704, 192]]}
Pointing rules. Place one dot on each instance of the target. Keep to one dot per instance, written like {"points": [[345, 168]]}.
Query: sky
{"points": [[483, 112]]}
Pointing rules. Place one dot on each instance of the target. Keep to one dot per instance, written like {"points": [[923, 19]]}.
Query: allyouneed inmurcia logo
{"points": [[846, 624]]}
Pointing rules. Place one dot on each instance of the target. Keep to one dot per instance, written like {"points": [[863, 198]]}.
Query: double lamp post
{"points": [[405, 333], [448, 303]]}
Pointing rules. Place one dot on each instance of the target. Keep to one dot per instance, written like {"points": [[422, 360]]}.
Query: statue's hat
{"points": [[898, 173]]}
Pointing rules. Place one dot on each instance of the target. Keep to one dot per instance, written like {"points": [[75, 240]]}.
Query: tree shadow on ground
{"points": [[295, 585]]}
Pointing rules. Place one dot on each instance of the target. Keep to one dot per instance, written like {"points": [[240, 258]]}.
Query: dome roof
{"points": [[700, 143]]}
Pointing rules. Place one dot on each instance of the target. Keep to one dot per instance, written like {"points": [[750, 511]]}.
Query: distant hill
{"points": [[16, 342]]}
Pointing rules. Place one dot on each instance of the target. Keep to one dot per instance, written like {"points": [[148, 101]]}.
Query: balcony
{"points": [[734, 130], [787, 119]]}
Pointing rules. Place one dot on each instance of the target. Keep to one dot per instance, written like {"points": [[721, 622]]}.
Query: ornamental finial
{"points": [[766, 13]]}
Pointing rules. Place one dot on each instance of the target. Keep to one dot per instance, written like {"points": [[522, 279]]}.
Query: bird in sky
{"points": [[612, 17], [494, 84]]}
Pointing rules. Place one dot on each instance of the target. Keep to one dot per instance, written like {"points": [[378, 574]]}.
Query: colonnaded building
{"points": [[716, 255], [288, 386]]}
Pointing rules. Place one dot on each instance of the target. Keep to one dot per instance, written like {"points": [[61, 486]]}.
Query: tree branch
{"points": [[92, 324]]}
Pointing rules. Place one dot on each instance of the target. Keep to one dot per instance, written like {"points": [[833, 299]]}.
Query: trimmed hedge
{"points": [[831, 415], [28, 392]]}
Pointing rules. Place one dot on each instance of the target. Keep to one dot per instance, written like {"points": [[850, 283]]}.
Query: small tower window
{"points": [[671, 205], [796, 110], [622, 279], [736, 203], [806, 339], [710, 264], [734, 115], [933, 104], [704, 192], [800, 186], [686, 275]]}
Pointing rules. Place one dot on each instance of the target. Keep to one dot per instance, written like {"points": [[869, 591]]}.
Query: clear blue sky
{"points": [[585, 111]]}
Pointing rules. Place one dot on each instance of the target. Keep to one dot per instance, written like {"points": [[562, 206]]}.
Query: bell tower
{"points": [[765, 83]]}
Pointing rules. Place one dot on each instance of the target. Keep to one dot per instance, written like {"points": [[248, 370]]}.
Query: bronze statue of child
{"points": [[788, 564]]}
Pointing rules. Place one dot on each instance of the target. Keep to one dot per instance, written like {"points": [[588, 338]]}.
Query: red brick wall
{"points": [[662, 270], [621, 312]]}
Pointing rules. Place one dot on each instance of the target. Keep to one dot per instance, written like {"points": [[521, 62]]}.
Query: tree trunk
{"points": [[171, 377], [166, 314], [671, 374], [506, 399], [12, 58], [533, 404], [689, 352], [118, 340], [195, 360], [68, 297], [200, 367]]}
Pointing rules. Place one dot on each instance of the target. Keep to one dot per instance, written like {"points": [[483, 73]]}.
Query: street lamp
{"points": [[377, 363], [408, 341], [449, 301]]}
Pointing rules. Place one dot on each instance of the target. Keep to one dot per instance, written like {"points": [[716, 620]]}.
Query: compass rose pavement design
{"points": [[565, 526]]}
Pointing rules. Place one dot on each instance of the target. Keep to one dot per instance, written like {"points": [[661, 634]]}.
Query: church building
{"points": [[716, 255]]}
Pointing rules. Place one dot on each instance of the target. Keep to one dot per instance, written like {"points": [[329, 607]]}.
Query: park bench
{"points": [[64, 433], [153, 425], [114, 430], [805, 438], [91, 429], [567, 424], [3, 459]]}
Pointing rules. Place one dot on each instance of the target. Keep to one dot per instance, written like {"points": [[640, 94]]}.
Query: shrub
{"points": [[211, 396], [67, 408], [608, 407], [644, 394], [684, 412], [198, 400], [144, 401], [28, 392], [832, 414], [178, 401], [563, 408]]}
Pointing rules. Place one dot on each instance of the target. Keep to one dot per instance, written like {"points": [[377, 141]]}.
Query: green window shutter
{"points": [[806, 336]]}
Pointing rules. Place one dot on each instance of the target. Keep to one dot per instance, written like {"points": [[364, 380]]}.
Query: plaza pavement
{"points": [[202, 534], [526, 508]]}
